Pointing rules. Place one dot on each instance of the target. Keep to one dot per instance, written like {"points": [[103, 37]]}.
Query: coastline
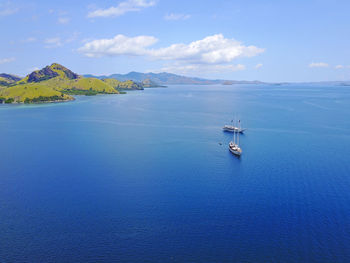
{"points": [[41, 102]]}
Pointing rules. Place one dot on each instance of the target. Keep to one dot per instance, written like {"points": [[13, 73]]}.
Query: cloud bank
{"points": [[214, 49], [211, 54]]}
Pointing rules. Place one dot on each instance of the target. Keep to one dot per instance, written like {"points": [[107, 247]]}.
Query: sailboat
{"points": [[234, 145], [232, 128]]}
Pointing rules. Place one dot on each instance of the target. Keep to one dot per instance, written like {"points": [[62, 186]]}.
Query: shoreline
{"points": [[43, 102]]}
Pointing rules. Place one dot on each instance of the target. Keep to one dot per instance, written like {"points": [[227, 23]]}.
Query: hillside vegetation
{"points": [[32, 93], [123, 85], [82, 84], [53, 83]]}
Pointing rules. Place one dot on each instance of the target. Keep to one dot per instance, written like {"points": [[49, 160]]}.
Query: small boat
{"points": [[234, 145]]}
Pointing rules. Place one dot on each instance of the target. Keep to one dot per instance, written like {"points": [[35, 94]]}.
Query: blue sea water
{"points": [[142, 177]]}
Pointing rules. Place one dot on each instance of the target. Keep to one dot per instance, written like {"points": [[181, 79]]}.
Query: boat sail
{"points": [[234, 145]]}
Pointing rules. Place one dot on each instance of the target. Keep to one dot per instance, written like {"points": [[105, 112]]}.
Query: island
{"points": [[123, 85], [56, 83]]}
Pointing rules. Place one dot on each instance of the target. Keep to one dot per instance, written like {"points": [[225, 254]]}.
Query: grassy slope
{"points": [[55, 87], [20, 92], [82, 84], [128, 84], [60, 72], [23, 81]]}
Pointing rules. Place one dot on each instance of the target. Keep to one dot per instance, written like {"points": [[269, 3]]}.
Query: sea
{"points": [[147, 176]]}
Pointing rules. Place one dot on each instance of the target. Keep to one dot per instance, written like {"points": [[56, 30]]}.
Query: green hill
{"points": [[53, 83], [49, 72], [123, 85]]}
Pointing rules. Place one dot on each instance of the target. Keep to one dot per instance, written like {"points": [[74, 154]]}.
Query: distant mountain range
{"points": [[165, 78]]}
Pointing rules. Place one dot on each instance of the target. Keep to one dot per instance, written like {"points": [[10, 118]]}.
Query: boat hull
{"points": [[234, 149], [237, 153]]}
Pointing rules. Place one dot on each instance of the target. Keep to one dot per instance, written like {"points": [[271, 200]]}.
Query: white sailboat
{"points": [[232, 128], [234, 145]]}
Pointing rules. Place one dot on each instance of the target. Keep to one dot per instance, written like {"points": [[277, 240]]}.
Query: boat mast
{"points": [[234, 133], [239, 128]]}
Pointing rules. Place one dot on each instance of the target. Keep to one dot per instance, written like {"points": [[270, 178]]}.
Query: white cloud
{"points": [[122, 8], [318, 65], [119, 45], [63, 20], [6, 60], [257, 66], [53, 42], [176, 17], [214, 49], [339, 67], [8, 8], [211, 50]]}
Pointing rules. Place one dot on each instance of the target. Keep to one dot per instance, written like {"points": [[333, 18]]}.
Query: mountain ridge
{"points": [[162, 78], [52, 71], [8, 79], [165, 78]]}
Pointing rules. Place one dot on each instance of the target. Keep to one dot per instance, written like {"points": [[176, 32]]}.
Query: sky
{"points": [[266, 40]]}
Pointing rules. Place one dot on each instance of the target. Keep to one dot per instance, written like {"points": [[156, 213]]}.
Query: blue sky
{"points": [[266, 40]]}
